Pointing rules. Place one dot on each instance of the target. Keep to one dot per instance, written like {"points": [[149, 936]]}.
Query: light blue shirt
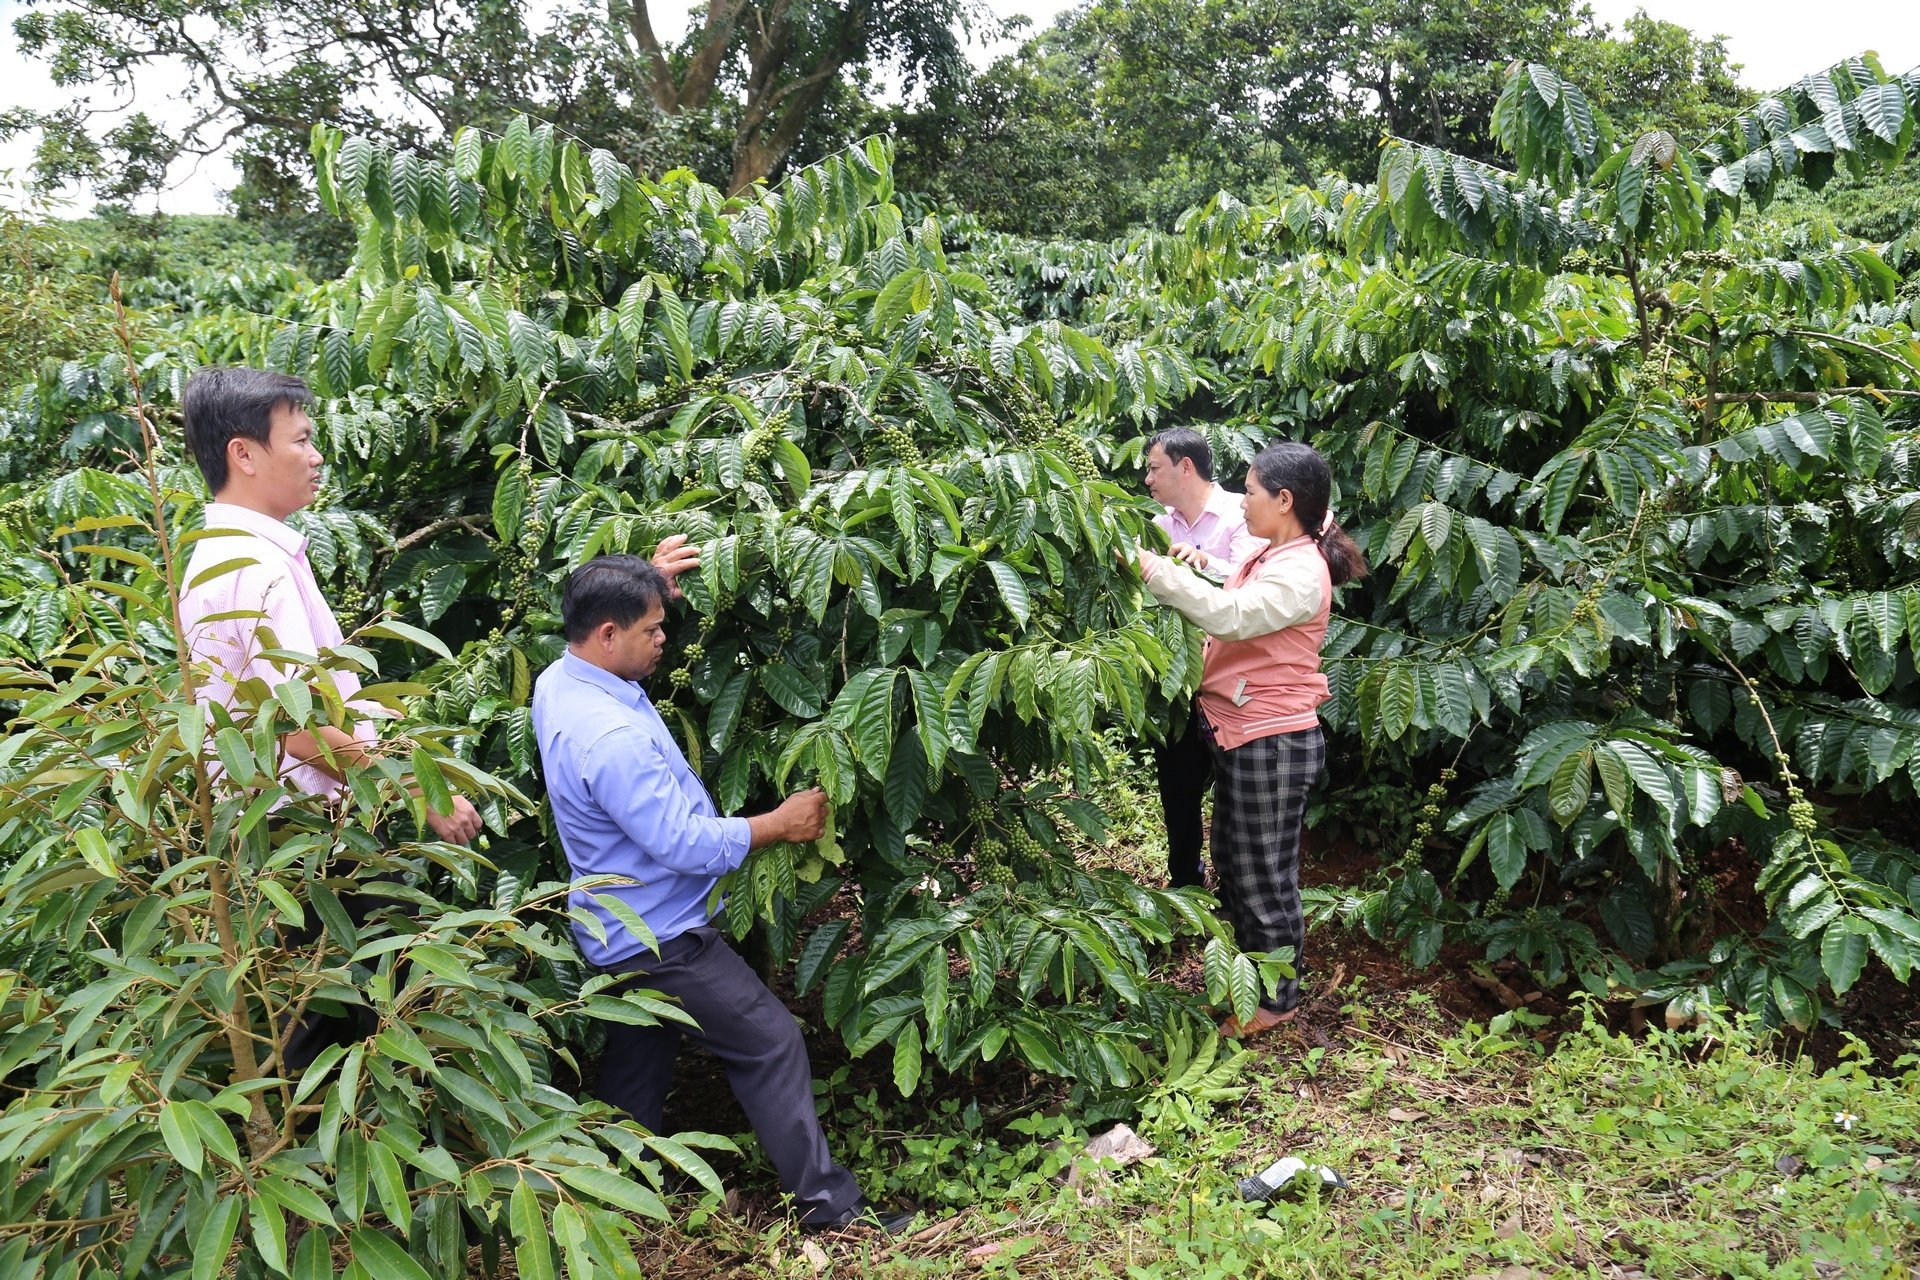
{"points": [[627, 803]]}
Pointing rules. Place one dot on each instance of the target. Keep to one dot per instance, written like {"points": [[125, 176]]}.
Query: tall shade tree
{"points": [[732, 99], [1128, 111]]}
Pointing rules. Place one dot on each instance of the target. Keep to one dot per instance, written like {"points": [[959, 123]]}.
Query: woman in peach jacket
{"points": [[1260, 688]]}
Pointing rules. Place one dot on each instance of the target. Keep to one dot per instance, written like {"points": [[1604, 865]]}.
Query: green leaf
{"points": [[469, 146], [1399, 696], [613, 1188], [1843, 955], [509, 502], [215, 1238], [532, 345], [1506, 849], [391, 629], [1436, 525], [95, 852], [907, 1059], [818, 953], [313, 1257], [871, 723], [608, 175], [382, 1256], [1013, 590], [792, 691], [532, 1247], [269, 1233], [389, 1184], [1571, 787], [433, 783], [236, 756], [1615, 781], [181, 1138]]}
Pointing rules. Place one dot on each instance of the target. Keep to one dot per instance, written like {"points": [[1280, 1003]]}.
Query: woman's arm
{"points": [[1277, 598]]}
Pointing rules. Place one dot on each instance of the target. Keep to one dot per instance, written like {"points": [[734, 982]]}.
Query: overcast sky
{"points": [[1773, 39]]}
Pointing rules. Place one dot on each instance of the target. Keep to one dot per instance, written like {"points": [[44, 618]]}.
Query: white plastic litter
{"points": [[1284, 1175]]}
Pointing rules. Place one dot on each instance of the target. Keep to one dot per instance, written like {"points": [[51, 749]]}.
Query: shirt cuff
{"points": [[736, 836]]}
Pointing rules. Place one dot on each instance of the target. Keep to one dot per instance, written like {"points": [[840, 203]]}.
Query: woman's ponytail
{"points": [[1344, 562], [1301, 471]]}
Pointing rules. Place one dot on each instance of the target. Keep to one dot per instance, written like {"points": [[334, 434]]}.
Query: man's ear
{"points": [[240, 456]]}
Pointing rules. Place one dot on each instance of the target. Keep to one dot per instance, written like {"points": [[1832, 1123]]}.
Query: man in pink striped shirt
{"points": [[249, 589], [1208, 519]]}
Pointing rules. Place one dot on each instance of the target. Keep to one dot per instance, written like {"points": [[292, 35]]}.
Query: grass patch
{"points": [[1472, 1151]]}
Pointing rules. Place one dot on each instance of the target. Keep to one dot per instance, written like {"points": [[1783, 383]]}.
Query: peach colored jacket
{"points": [[1264, 628]]}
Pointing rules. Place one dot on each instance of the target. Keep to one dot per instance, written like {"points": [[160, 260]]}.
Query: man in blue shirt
{"points": [[627, 803]]}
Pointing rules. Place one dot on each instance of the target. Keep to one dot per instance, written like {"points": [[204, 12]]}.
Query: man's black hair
{"points": [[616, 589], [220, 404], [1185, 442]]}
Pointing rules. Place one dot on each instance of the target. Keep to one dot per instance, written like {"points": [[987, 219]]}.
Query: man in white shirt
{"points": [[1208, 530], [249, 588]]}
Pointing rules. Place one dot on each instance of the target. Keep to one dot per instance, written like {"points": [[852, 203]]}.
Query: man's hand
{"points": [[1188, 554], [801, 817], [673, 557], [804, 815], [458, 827]]}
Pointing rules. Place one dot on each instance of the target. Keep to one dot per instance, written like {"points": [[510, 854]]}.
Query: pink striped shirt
{"points": [[1221, 531], [1264, 631], [279, 606]]}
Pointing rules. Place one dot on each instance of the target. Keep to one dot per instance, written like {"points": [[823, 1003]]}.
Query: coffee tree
{"points": [[1640, 469]]}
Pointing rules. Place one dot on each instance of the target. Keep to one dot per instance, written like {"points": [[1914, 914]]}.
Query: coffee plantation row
{"points": [[1636, 467]]}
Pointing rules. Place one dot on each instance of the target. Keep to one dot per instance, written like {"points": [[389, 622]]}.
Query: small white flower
{"points": [[1779, 1191], [1845, 1119]]}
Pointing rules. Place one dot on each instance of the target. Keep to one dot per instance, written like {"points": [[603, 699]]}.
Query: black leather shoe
{"points": [[863, 1215]]}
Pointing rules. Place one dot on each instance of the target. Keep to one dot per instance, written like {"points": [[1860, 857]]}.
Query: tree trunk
{"points": [[777, 113]]}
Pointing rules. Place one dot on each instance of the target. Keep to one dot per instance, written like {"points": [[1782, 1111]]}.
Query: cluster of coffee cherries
{"points": [[990, 852], [899, 444], [1718, 259], [758, 448], [16, 518], [1429, 817], [1040, 427], [1799, 809], [524, 554]]}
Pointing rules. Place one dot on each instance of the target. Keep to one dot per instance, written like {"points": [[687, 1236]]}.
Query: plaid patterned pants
{"points": [[1259, 803]]}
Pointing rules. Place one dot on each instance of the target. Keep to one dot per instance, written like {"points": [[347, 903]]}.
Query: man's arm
{"points": [[632, 780], [458, 826], [284, 616], [673, 557]]}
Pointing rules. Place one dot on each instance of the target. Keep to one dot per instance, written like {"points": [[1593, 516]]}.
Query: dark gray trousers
{"points": [[318, 1028], [746, 1027], [1184, 767]]}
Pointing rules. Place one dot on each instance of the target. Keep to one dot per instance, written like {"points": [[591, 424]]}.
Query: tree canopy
{"points": [[1127, 111], [732, 100]]}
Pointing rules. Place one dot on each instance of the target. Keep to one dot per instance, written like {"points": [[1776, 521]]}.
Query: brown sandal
{"points": [[1262, 1021]]}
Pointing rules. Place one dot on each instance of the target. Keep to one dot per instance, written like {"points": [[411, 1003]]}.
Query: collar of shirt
{"points": [[1225, 503], [1250, 568], [227, 515], [626, 691]]}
